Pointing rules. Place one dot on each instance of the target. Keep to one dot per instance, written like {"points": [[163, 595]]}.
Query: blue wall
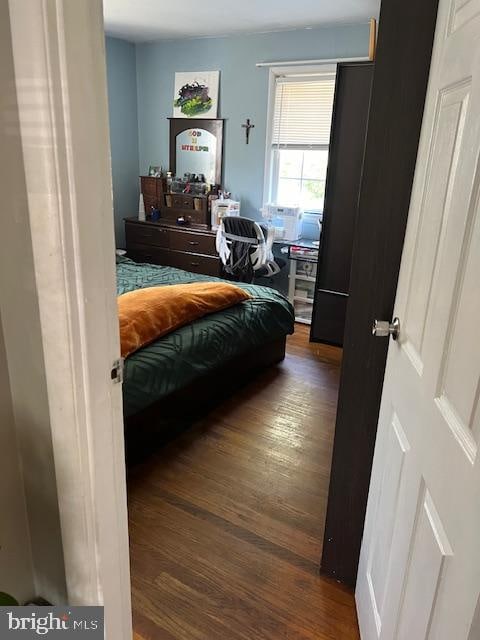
{"points": [[140, 88], [122, 98], [243, 92]]}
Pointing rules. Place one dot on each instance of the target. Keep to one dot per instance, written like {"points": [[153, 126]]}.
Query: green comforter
{"points": [[173, 361]]}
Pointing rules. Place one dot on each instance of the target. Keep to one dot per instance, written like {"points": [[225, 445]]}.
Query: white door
{"points": [[419, 572]]}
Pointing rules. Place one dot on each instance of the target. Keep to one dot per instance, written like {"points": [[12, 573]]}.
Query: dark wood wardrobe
{"points": [[399, 86], [347, 146]]}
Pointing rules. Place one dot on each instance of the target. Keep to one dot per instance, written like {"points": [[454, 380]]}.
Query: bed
{"points": [[196, 359]]}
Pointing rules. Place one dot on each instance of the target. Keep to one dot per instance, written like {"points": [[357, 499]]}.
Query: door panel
{"points": [[463, 11], [347, 146], [419, 572], [448, 133], [429, 549], [397, 449]]}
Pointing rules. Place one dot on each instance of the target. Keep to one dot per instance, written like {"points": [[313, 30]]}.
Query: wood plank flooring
{"points": [[226, 522]]}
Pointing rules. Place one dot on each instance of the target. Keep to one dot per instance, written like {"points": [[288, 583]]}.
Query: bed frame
{"points": [[166, 418]]}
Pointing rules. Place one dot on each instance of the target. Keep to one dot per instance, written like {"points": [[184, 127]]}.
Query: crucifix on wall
{"points": [[247, 126]]}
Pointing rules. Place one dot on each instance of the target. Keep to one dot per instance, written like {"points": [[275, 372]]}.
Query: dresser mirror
{"points": [[196, 148]]}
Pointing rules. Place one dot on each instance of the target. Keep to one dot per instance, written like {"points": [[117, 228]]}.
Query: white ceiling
{"points": [[143, 20]]}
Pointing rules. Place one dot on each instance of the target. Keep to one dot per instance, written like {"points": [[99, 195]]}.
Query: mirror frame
{"points": [[212, 125]]}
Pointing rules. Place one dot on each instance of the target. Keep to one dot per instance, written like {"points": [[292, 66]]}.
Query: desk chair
{"points": [[245, 249]]}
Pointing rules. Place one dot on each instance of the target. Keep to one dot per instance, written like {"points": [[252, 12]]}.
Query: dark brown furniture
{"points": [[159, 242], [398, 95], [148, 426], [181, 237], [189, 246], [347, 145], [191, 210]]}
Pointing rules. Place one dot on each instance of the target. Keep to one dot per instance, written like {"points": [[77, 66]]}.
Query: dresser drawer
{"points": [[191, 217], [188, 261], [182, 202], [196, 263], [193, 242], [147, 234], [144, 253]]}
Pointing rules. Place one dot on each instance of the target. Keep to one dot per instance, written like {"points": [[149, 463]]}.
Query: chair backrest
{"points": [[243, 248]]}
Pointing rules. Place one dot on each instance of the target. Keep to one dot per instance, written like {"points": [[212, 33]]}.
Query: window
{"points": [[300, 135]]}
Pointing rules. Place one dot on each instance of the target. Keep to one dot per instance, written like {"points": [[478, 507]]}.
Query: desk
{"points": [[305, 243], [303, 257]]}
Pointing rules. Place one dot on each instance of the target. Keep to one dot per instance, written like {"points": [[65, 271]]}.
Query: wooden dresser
{"points": [[189, 246], [159, 242], [193, 209]]}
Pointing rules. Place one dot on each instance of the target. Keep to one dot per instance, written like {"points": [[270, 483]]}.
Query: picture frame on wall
{"points": [[196, 94]]}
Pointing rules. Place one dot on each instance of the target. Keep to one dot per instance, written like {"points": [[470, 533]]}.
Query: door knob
{"points": [[383, 328]]}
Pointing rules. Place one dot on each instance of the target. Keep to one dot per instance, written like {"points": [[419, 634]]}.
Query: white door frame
{"points": [[59, 58]]}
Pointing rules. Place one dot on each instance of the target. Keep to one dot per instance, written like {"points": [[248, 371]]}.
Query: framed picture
{"points": [[196, 94], [155, 171]]}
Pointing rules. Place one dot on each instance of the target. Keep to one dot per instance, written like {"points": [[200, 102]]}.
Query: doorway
{"points": [[103, 365]]}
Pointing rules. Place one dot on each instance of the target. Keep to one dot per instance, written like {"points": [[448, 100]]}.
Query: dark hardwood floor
{"points": [[226, 521]]}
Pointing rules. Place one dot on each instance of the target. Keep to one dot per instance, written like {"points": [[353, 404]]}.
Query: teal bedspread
{"points": [[172, 362]]}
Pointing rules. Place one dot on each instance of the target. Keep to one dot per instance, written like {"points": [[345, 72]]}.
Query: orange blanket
{"points": [[148, 314]]}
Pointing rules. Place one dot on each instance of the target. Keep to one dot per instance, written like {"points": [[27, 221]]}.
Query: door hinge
{"points": [[116, 373]]}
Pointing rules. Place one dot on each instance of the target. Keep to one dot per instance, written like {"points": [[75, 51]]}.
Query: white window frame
{"points": [[303, 72]]}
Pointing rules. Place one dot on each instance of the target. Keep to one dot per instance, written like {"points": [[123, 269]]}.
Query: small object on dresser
{"points": [[155, 171], [198, 188], [221, 208], [141, 209], [178, 185], [155, 214]]}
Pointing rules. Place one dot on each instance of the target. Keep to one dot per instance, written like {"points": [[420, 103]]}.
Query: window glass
{"points": [[301, 178], [289, 192], [290, 164], [300, 136]]}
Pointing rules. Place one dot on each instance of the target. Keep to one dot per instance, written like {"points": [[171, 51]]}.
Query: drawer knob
{"points": [[193, 243]]}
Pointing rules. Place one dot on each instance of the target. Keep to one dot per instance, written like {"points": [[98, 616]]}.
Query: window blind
{"points": [[303, 112]]}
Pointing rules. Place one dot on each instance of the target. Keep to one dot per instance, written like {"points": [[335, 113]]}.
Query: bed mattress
{"points": [[173, 361]]}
